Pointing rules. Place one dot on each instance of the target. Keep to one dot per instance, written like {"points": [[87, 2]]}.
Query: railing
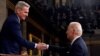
{"points": [[37, 39], [11, 55]]}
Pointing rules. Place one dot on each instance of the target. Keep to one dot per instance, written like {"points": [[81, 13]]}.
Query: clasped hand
{"points": [[42, 46]]}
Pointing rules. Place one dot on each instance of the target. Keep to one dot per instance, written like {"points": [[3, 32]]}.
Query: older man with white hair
{"points": [[77, 45]]}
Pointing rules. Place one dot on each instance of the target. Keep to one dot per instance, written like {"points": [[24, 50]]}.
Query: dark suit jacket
{"points": [[63, 51], [11, 36], [78, 48]]}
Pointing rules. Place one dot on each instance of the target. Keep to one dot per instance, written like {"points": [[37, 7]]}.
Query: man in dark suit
{"points": [[11, 37], [77, 45]]}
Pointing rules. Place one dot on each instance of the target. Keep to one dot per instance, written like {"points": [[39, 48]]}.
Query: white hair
{"points": [[77, 28], [21, 4]]}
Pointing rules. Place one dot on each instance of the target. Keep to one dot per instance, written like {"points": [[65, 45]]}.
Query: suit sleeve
{"points": [[58, 49], [15, 29]]}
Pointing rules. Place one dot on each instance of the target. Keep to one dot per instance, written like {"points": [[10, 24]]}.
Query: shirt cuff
{"points": [[47, 46], [35, 45]]}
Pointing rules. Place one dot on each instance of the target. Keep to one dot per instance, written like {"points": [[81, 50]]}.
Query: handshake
{"points": [[42, 46]]}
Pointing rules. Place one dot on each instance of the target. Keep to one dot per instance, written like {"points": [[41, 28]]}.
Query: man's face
{"points": [[69, 32], [23, 13]]}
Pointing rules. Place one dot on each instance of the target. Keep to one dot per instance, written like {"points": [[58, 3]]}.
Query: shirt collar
{"points": [[18, 19], [74, 39]]}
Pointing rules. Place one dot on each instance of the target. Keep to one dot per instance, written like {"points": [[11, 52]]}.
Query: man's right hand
{"points": [[41, 46]]}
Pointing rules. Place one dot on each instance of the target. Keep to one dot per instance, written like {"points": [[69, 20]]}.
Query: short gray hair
{"points": [[77, 27], [21, 4]]}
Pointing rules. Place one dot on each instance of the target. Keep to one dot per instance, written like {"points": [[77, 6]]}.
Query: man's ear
{"points": [[18, 10], [73, 32]]}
